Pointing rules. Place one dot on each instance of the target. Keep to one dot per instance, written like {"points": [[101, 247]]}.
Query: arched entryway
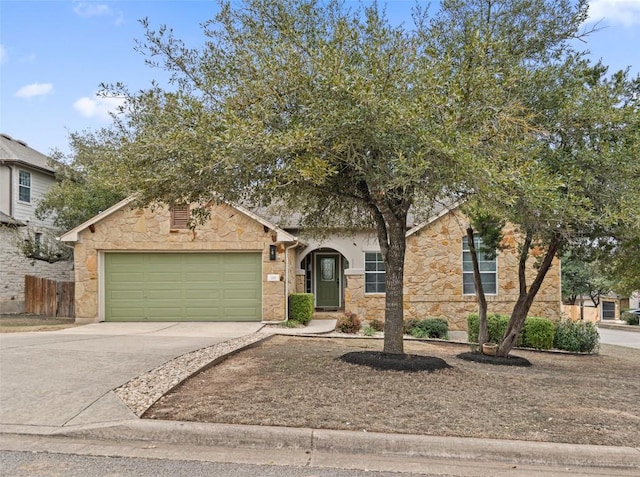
{"points": [[324, 277]]}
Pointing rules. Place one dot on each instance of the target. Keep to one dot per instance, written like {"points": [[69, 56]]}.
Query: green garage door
{"points": [[183, 287]]}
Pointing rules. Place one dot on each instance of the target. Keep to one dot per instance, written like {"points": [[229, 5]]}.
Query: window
{"points": [[608, 310], [488, 270], [180, 217], [24, 186], [374, 273]]}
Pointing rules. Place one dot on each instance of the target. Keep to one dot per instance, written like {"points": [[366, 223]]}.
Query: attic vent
{"points": [[180, 217]]}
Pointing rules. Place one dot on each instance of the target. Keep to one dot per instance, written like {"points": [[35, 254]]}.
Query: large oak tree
{"points": [[340, 114]]}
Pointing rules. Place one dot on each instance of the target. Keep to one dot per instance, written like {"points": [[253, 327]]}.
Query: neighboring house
{"points": [[24, 177], [606, 308], [143, 264]]}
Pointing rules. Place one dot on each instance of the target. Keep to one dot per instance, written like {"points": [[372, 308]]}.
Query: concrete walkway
{"points": [[49, 379]]}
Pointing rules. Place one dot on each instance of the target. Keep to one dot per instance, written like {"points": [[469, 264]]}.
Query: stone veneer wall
{"points": [[14, 266], [147, 231], [433, 279]]}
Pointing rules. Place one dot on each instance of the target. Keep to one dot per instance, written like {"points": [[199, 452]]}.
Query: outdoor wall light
{"points": [[272, 252]]}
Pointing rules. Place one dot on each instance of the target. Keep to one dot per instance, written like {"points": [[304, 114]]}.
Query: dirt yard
{"points": [[296, 381], [19, 323]]}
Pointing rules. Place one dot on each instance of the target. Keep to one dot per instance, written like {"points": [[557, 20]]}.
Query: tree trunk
{"points": [[394, 306], [391, 227], [480, 296], [525, 298]]}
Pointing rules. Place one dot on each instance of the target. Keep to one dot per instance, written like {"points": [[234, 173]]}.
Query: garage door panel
{"points": [[183, 286], [127, 294]]}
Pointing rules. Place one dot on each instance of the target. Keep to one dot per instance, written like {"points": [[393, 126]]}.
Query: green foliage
{"points": [[538, 333], [368, 331], [85, 185], [428, 328], [630, 318], [301, 307], [376, 325], [348, 323], [496, 326], [577, 336]]}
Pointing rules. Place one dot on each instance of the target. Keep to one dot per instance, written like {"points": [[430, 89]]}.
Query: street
{"points": [[630, 339]]}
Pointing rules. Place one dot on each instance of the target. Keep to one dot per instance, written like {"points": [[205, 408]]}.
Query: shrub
{"points": [[301, 307], [496, 326], [348, 323], [377, 325], [630, 318], [577, 336], [368, 331], [538, 333], [408, 325], [430, 328]]}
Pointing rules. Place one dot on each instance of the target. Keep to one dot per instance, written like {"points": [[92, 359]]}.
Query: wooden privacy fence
{"points": [[49, 297]]}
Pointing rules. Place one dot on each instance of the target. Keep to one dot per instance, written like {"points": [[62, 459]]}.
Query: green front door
{"points": [[327, 281], [183, 286]]}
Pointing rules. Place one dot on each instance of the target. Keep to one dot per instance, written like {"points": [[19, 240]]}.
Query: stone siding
{"points": [[14, 266], [145, 230], [433, 279]]}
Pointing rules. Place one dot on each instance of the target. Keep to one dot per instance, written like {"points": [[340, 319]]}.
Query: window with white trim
{"points": [[374, 273], [24, 186], [488, 270]]}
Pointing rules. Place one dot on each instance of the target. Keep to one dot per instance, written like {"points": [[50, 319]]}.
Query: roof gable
{"points": [[72, 235]]}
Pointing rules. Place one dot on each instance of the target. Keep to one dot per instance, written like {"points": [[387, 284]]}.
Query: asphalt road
{"points": [[26, 464], [629, 339]]}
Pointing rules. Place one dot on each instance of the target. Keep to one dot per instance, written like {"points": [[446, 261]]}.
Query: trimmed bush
{"points": [[348, 323], [538, 333], [577, 336], [496, 326], [630, 318], [377, 325], [301, 307], [429, 328]]}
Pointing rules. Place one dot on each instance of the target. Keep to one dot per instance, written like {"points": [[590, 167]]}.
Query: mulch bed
{"points": [[510, 360], [395, 362]]}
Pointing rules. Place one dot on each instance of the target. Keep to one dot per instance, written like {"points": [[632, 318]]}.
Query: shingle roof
{"points": [[13, 150]]}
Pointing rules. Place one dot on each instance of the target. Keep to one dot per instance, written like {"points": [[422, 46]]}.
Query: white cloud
{"points": [[35, 89], [98, 106], [94, 9], [615, 12], [3, 53]]}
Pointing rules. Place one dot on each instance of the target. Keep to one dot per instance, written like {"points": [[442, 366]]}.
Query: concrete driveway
{"points": [[54, 378]]}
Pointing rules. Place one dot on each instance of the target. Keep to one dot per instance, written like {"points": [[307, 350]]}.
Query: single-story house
{"points": [[146, 264]]}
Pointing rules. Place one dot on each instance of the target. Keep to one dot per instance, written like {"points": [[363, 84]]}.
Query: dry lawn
{"points": [[299, 382]]}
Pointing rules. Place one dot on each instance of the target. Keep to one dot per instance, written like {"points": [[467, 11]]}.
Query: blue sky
{"points": [[54, 54]]}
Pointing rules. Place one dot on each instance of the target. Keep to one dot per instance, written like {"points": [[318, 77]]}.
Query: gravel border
{"points": [[142, 392]]}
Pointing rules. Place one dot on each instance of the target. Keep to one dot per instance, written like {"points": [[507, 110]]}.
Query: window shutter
{"points": [[180, 217]]}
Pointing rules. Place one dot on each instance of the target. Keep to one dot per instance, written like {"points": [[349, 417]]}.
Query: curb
{"points": [[364, 443]]}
